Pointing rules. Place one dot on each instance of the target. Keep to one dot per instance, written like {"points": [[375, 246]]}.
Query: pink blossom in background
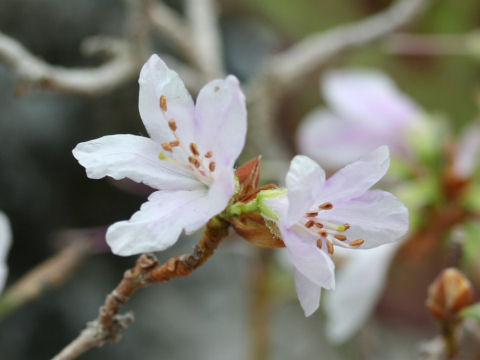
{"points": [[315, 215], [366, 111], [360, 283], [468, 151], [5, 240], [189, 157]]}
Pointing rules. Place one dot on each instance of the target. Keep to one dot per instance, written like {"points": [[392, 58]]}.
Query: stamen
{"points": [[167, 146], [194, 161], [340, 237], [171, 123], [174, 143], [330, 247], [194, 149], [357, 242], [323, 233], [162, 156], [163, 103], [326, 206], [211, 166], [346, 226], [319, 243], [312, 214], [208, 155], [319, 225], [309, 223], [343, 227]]}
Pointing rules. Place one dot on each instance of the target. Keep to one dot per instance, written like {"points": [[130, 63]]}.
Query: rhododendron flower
{"points": [[189, 157], [367, 111], [5, 239], [315, 215]]}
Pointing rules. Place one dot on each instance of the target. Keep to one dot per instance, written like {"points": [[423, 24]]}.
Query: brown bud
{"points": [[248, 175], [449, 293], [252, 227]]}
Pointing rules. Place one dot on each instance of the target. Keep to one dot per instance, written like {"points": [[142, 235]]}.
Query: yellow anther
{"points": [[163, 103], [326, 206], [357, 242], [330, 247]]}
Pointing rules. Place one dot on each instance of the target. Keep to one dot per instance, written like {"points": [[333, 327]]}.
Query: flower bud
{"points": [[450, 292], [253, 228]]}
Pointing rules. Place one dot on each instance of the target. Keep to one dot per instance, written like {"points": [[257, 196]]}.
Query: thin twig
{"points": [[173, 27], [430, 45], [35, 72], [261, 305], [49, 274], [313, 51], [202, 15], [106, 328]]}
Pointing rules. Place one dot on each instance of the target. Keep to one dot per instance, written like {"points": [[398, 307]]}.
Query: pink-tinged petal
{"points": [[377, 216], [370, 97], [466, 157], [309, 260], [221, 121], [219, 194], [360, 283], [133, 157], [305, 180], [5, 240], [335, 142], [158, 223], [308, 293], [356, 178], [157, 80]]}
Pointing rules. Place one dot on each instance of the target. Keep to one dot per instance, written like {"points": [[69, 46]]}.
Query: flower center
{"points": [[202, 166], [328, 233]]}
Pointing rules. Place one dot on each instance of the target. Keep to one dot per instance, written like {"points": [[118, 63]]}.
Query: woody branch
{"points": [[106, 328]]}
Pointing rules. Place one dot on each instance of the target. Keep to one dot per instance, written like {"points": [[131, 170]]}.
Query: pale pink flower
{"points": [[468, 151], [5, 240], [352, 302], [189, 157], [315, 215], [366, 111]]}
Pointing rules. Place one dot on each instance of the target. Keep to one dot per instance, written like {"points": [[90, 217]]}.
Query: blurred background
{"points": [[44, 190]]}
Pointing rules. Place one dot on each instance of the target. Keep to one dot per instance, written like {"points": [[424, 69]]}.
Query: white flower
{"points": [[317, 214], [189, 157], [5, 240], [352, 302]]}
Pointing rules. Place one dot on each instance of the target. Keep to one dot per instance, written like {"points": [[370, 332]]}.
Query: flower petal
{"points": [[308, 293], [360, 283], [370, 97], [221, 121], [159, 222], [466, 157], [309, 260], [356, 178], [305, 180], [377, 216], [5, 240], [134, 157], [157, 80], [335, 142]]}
